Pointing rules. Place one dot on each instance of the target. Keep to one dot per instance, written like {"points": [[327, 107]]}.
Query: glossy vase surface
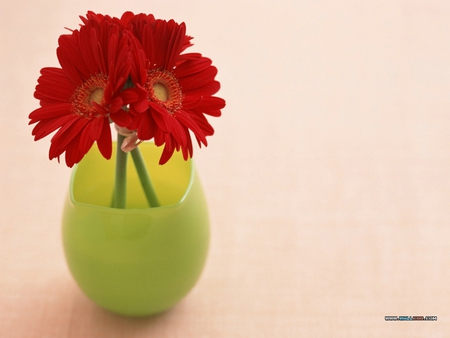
{"points": [[136, 261]]}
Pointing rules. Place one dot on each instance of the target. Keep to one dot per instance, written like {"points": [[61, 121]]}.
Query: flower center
{"points": [[89, 95], [163, 88], [96, 96], [161, 92]]}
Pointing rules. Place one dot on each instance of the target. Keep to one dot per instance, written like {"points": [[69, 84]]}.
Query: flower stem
{"points": [[120, 185], [144, 177]]}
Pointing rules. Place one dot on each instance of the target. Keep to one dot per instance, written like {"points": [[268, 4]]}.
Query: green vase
{"points": [[136, 261]]}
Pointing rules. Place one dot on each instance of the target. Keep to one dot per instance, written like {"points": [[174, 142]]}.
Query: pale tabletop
{"points": [[328, 178]]}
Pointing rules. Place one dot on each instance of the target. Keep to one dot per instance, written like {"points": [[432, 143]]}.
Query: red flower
{"points": [[178, 87], [79, 99], [130, 71]]}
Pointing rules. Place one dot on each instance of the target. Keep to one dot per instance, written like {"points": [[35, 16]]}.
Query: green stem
{"points": [[120, 186], [144, 178]]}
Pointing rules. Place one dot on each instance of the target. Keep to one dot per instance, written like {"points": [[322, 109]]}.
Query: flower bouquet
{"points": [[135, 233]]}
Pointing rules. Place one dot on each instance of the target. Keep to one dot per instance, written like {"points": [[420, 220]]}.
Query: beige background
{"points": [[327, 180]]}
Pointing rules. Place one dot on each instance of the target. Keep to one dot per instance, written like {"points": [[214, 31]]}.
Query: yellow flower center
{"points": [[96, 95], [91, 91], [163, 88], [161, 92]]}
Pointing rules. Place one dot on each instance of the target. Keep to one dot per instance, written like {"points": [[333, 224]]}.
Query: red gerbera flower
{"points": [[178, 87], [81, 97], [167, 97]]}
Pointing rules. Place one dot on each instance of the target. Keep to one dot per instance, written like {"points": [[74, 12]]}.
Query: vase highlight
{"points": [[136, 261]]}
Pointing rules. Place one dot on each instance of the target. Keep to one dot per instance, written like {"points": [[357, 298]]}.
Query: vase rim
{"points": [[186, 192]]}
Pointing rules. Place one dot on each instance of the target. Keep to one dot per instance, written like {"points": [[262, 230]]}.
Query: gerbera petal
{"points": [[48, 126], [53, 85], [126, 17], [121, 118], [160, 116], [70, 59], [177, 130], [119, 60], [191, 101], [192, 66], [199, 79], [129, 95], [187, 151], [89, 49], [146, 126], [104, 142], [208, 89], [72, 152], [68, 132], [140, 106], [67, 140], [136, 96], [210, 105], [159, 137], [201, 121], [116, 104], [167, 152], [188, 56], [184, 118], [50, 111], [86, 141], [175, 45]]}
